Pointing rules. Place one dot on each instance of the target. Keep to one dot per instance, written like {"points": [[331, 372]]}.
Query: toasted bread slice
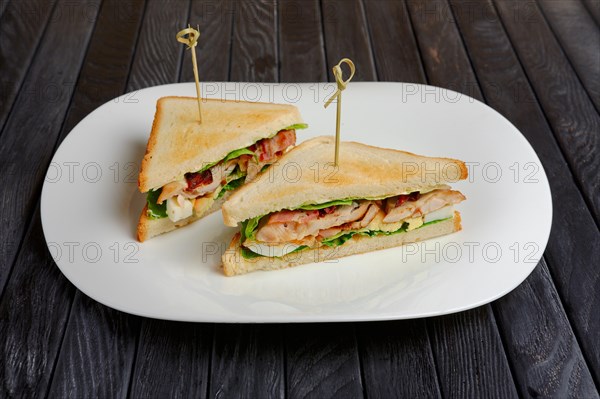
{"points": [[234, 263], [178, 144], [306, 175]]}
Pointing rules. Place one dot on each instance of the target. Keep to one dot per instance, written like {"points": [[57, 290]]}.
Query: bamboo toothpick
{"points": [[341, 86], [192, 41]]}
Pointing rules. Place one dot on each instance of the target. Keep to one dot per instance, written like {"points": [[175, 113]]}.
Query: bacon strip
{"points": [[197, 184]]}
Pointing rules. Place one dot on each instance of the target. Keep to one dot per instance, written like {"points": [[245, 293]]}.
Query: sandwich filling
{"points": [[334, 223], [196, 191]]}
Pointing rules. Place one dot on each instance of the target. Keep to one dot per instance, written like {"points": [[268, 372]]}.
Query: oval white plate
{"points": [[90, 206]]}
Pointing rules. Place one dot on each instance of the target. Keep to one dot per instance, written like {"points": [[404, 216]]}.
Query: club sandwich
{"points": [[190, 168], [304, 209]]}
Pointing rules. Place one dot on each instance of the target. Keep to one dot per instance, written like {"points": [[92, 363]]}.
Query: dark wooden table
{"points": [[536, 62]]}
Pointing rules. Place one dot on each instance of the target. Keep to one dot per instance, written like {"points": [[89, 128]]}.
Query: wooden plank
{"points": [[394, 47], [397, 360], [158, 55], [301, 47], [437, 50], [254, 52], [579, 36], [565, 101], [444, 57], [322, 361], [529, 370], [33, 313], [469, 342], [106, 68], [95, 330], [347, 35], [247, 361], [31, 131], [23, 19], [593, 6], [575, 122], [172, 360], [3, 4], [574, 239], [36, 303], [544, 353], [214, 47], [95, 355]]}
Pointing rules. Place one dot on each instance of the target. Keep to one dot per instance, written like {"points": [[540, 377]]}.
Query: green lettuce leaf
{"points": [[344, 236], [231, 155], [238, 153], [245, 151], [325, 205], [156, 211], [249, 228], [297, 126], [249, 254], [232, 185]]}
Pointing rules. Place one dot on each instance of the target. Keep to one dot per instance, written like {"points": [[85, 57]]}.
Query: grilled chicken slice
{"points": [[426, 203], [285, 226]]}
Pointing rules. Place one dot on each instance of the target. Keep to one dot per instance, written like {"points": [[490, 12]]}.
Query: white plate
{"points": [[90, 206]]}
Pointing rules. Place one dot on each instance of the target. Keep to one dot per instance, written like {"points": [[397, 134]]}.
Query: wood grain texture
{"points": [[106, 67], [301, 47], [593, 7], [396, 52], [214, 47], [572, 115], [37, 326], [544, 353], [23, 19], [3, 4], [468, 341], [397, 360], [574, 240], [347, 35], [32, 129], [322, 361], [172, 360], [579, 36], [444, 57], [575, 122], [450, 58], [158, 54], [98, 347], [33, 313], [94, 349], [254, 51], [247, 362]]}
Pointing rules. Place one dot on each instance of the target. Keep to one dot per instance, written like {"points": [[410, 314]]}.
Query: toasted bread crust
{"points": [[306, 175], [179, 144], [234, 263]]}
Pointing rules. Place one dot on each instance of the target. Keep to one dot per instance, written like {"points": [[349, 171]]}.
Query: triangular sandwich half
{"points": [[190, 168], [303, 209]]}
